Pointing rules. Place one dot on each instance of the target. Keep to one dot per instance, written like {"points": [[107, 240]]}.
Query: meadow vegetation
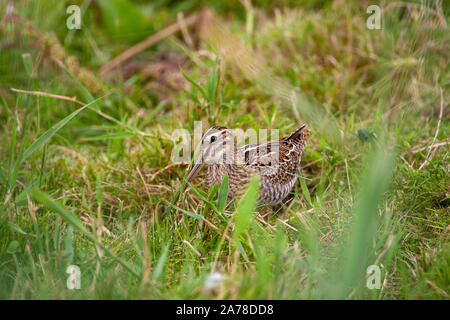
{"points": [[85, 169]]}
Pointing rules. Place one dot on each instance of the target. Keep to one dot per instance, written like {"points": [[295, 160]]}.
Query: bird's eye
{"points": [[213, 138]]}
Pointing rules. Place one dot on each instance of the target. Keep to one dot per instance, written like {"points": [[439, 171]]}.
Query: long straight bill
{"points": [[191, 176]]}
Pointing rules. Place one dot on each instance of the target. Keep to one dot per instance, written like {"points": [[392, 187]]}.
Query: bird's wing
{"points": [[263, 157], [273, 158]]}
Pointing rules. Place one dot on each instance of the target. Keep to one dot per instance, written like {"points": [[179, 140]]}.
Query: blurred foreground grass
{"points": [[85, 184]]}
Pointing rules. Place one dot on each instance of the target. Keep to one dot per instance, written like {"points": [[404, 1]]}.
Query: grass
{"points": [[83, 182]]}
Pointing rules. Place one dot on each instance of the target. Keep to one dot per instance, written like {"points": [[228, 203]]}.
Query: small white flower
{"points": [[213, 280]]}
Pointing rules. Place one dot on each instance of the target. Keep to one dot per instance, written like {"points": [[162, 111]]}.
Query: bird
{"points": [[275, 162]]}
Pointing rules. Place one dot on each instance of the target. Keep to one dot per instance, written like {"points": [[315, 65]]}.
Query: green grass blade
{"points": [[28, 63], [72, 220], [11, 154], [190, 214], [223, 195], [2, 178], [373, 184], [195, 84], [44, 138], [157, 273], [305, 190], [246, 206]]}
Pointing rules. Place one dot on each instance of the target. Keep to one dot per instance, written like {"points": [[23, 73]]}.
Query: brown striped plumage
{"points": [[276, 162]]}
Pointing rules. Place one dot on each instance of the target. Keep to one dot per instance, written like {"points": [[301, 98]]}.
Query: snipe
{"points": [[276, 162]]}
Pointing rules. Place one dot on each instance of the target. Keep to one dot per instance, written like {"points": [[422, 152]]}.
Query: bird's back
{"points": [[276, 162]]}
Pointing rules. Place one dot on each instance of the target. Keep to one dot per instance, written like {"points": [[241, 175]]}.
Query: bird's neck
{"points": [[216, 172], [227, 165]]}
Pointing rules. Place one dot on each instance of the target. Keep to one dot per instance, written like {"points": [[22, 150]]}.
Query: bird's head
{"points": [[216, 147]]}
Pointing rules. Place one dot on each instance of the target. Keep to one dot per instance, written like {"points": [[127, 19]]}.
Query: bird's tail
{"points": [[301, 134]]}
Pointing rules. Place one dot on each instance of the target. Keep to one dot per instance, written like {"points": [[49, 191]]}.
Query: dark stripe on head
{"points": [[215, 128]]}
